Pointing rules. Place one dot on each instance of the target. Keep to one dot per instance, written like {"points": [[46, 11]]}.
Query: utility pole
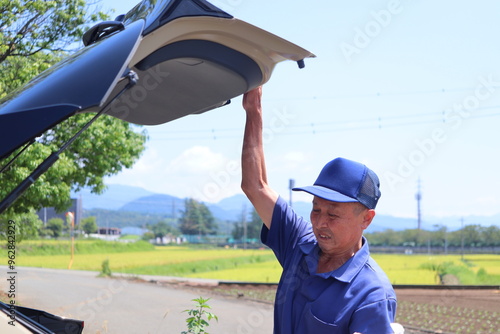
{"points": [[291, 185], [446, 241], [244, 226], [462, 235], [173, 210], [418, 197]]}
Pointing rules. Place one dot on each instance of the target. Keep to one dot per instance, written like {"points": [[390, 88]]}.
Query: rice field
{"points": [[255, 265]]}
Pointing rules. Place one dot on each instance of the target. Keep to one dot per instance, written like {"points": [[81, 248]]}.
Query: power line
{"points": [[377, 94], [380, 123]]}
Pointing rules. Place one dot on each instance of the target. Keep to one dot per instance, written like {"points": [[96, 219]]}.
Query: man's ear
{"points": [[367, 218]]}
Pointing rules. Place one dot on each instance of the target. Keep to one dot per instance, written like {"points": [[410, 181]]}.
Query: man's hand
{"points": [[252, 100]]}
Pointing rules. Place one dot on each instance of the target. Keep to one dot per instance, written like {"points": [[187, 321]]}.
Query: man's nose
{"points": [[321, 221]]}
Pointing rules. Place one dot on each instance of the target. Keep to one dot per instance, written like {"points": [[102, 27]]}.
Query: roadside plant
{"points": [[105, 269], [195, 322]]}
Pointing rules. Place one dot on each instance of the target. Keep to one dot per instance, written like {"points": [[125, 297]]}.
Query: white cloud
{"points": [[196, 160], [196, 172]]}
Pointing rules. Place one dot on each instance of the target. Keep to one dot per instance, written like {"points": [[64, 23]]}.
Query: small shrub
{"points": [[105, 269], [196, 322]]}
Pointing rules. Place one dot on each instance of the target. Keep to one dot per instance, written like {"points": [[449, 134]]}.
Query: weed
{"points": [[105, 269], [195, 322]]}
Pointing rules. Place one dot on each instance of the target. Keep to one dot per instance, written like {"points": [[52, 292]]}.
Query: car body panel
{"points": [[81, 81], [190, 57], [22, 320], [202, 62]]}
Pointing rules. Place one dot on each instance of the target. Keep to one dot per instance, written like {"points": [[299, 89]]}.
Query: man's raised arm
{"points": [[253, 165]]}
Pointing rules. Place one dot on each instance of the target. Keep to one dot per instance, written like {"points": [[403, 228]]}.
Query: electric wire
{"points": [[380, 123]]}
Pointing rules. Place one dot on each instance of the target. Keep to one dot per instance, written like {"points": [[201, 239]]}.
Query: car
{"points": [[161, 61], [14, 320]]}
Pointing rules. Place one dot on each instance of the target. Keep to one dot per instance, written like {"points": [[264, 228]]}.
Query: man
{"points": [[330, 284]]}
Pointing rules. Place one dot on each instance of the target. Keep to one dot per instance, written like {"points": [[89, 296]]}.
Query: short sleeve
{"points": [[287, 230]]}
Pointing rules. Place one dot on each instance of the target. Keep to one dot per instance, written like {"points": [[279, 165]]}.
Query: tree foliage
{"points": [[106, 148], [162, 229], [26, 225], [197, 219], [55, 225], [34, 35], [472, 236], [29, 27], [253, 226], [89, 225]]}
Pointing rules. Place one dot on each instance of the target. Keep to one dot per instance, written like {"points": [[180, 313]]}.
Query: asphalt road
{"points": [[125, 306]]}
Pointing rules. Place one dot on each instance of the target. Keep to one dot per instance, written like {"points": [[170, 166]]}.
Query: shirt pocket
{"points": [[312, 323]]}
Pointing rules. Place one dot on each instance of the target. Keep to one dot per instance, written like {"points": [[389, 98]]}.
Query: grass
{"points": [[265, 272], [427, 269], [61, 247], [256, 265]]}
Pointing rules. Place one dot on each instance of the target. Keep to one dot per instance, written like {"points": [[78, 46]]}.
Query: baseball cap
{"points": [[343, 180]]}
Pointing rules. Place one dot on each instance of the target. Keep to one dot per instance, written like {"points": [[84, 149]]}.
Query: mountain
{"points": [[155, 204], [139, 201], [113, 198], [231, 208]]}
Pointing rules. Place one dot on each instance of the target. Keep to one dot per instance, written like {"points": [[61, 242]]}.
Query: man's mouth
{"points": [[324, 236]]}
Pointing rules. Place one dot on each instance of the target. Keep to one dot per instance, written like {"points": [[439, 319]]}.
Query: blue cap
{"points": [[343, 180]]}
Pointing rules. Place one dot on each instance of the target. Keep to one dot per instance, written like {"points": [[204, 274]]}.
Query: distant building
{"points": [[109, 231], [45, 214]]}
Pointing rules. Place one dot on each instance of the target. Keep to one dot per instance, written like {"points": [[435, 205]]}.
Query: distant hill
{"points": [[231, 209], [138, 202], [113, 198], [156, 204], [121, 219]]}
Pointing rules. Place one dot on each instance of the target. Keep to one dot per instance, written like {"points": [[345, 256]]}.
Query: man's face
{"points": [[338, 227]]}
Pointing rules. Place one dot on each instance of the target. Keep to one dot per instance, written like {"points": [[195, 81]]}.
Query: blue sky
{"points": [[410, 88]]}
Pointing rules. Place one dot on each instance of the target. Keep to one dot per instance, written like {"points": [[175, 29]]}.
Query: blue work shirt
{"points": [[357, 297]]}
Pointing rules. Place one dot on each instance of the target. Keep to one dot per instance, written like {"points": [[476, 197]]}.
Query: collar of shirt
{"points": [[346, 272]]}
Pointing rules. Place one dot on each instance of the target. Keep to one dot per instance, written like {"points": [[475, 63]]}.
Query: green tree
{"points": [[148, 236], [56, 226], [415, 237], [16, 71], [491, 236], [473, 235], [26, 225], [162, 229], [89, 225], [253, 226], [197, 219], [33, 26], [33, 36], [438, 237]]}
